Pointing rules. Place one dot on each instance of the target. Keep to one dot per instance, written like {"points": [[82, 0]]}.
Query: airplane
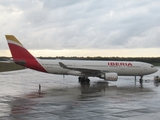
{"points": [[107, 70]]}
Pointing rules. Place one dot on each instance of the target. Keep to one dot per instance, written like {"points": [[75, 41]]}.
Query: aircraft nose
{"points": [[155, 69]]}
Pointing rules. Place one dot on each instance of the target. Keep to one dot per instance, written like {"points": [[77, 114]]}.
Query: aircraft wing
{"points": [[89, 72]]}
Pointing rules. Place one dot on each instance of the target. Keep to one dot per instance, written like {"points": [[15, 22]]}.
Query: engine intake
{"points": [[110, 76]]}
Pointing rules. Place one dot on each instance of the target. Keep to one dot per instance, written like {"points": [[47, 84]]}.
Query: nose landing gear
{"points": [[140, 80]]}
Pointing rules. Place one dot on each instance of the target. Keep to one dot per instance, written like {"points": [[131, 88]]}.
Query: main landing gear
{"points": [[140, 80], [83, 80]]}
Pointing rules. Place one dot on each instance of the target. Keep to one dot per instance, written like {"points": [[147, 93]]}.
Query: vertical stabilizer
{"points": [[17, 49], [21, 55]]}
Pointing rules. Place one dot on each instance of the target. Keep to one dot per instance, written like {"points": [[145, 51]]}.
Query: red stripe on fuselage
{"points": [[20, 53]]}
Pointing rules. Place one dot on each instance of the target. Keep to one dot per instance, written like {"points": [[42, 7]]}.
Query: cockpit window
{"points": [[152, 66]]}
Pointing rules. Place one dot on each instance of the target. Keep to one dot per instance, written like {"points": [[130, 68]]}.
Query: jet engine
{"points": [[110, 76]]}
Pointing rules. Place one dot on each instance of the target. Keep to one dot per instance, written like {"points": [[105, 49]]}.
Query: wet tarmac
{"points": [[63, 98]]}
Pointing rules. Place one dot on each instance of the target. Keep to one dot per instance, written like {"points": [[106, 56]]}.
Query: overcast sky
{"points": [[82, 27]]}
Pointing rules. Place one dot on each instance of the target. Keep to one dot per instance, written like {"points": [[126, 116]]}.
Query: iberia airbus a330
{"points": [[107, 70]]}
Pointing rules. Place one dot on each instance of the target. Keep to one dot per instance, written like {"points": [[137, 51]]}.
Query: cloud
{"points": [[92, 24]]}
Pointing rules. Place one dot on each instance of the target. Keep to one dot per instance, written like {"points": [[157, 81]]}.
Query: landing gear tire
{"points": [[83, 80], [87, 80], [79, 79], [140, 80]]}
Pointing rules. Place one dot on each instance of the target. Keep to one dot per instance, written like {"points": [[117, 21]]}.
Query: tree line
{"points": [[152, 60]]}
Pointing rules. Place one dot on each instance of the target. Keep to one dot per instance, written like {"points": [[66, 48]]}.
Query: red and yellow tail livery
{"points": [[21, 56]]}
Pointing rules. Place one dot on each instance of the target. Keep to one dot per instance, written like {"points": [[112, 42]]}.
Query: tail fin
{"points": [[17, 49], [21, 55]]}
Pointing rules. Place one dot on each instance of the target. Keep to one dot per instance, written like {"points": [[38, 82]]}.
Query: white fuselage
{"points": [[122, 68]]}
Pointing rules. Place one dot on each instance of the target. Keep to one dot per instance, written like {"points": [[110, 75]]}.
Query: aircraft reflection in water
{"points": [[60, 99], [98, 87]]}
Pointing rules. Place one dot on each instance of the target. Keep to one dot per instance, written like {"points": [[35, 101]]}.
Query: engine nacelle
{"points": [[110, 76]]}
